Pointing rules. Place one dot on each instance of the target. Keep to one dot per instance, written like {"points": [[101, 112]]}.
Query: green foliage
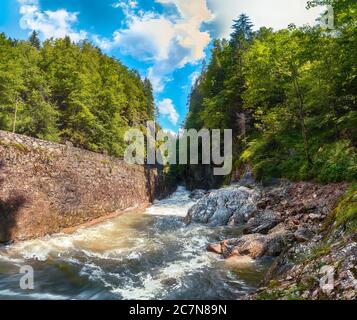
{"points": [[335, 162], [346, 211], [289, 96], [62, 91], [242, 30], [35, 40]]}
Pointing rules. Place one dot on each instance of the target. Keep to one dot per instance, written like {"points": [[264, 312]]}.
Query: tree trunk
{"points": [[242, 126], [15, 116], [302, 121]]}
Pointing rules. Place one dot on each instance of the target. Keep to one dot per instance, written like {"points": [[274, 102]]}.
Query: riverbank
{"points": [[309, 229], [280, 242], [323, 267], [46, 188]]}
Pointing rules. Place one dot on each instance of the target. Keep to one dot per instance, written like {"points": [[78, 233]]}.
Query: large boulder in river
{"points": [[255, 245], [233, 205]]}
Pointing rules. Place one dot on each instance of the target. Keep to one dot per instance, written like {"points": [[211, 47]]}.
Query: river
{"points": [[134, 256]]}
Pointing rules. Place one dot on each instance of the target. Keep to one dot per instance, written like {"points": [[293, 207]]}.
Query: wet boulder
{"points": [[198, 194], [262, 223], [233, 205]]}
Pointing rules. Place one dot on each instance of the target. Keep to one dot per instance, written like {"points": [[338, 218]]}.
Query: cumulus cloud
{"points": [[173, 38], [276, 14], [167, 109], [147, 37], [56, 24], [167, 41], [103, 43]]}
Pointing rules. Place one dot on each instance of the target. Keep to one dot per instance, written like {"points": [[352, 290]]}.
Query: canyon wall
{"points": [[46, 187]]}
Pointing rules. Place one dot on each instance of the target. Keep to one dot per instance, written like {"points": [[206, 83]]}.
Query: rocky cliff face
{"points": [[47, 187], [312, 241]]}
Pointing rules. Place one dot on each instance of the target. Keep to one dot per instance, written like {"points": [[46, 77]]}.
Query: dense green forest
{"points": [[290, 97], [61, 91]]}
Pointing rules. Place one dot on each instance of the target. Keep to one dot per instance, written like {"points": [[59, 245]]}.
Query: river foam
{"points": [[135, 256]]}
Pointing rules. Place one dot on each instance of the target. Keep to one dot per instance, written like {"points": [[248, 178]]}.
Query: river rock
{"points": [[198, 194], [252, 245], [303, 234], [278, 239], [263, 222], [215, 248], [255, 245], [233, 205]]}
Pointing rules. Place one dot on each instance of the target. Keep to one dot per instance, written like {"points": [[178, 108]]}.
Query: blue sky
{"points": [[165, 40]]}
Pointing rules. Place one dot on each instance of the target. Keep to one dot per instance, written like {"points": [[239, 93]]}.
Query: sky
{"points": [[165, 40]]}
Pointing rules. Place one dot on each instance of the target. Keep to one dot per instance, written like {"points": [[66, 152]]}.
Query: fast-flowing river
{"points": [[150, 256]]}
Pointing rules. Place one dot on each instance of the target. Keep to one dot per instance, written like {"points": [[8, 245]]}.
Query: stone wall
{"points": [[47, 187]]}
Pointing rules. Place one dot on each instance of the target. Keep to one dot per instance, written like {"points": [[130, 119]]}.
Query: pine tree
{"points": [[289, 95], [148, 91], [242, 29], [35, 40]]}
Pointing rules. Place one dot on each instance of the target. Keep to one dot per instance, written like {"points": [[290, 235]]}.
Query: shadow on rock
{"points": [[9, 209]]}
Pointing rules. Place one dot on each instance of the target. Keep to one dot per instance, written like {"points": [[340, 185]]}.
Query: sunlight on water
{"points": [[150, 256], [176, 205]]}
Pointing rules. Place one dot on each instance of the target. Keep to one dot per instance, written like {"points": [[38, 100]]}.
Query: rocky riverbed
{"points": [[310, 230], [291, 241]]}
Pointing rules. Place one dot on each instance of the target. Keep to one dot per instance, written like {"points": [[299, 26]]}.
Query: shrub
{"points": [[336, 162]]}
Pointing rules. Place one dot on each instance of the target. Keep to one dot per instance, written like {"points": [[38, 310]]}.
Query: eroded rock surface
{"points": [[233, 205], [292, 222], [198, 194], [314, 271], [47, 187], [262, 222]]}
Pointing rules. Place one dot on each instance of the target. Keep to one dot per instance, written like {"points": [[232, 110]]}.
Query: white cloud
{"points": [[276, 14], [167, 41], [126, 5], [194, 76], [167, 109], [103, 43], [174, 38], [147, 37], [56, 24]]}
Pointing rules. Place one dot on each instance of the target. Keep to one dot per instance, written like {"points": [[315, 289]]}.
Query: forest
{"points": [[289, 96], [66, 92]]}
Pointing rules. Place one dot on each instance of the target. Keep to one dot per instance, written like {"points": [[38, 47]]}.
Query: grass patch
{"points": [[18, 146], [345, 214], [320, 251], [346, 211]]}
